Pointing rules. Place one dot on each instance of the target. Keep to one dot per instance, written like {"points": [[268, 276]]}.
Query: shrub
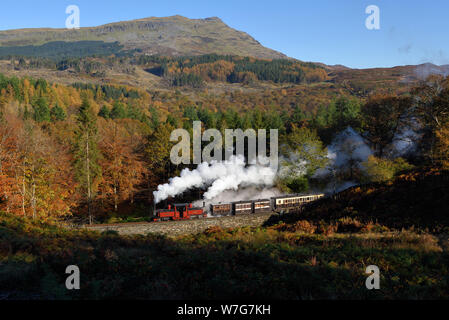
{"points": [[348, 224], [305, 227], [327, 229], [379, 170]]}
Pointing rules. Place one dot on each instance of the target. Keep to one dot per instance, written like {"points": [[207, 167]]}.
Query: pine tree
{"points": [[154, 118], [86, 154], [132, 112], [26, 113], [118, 111], [104, 112], [172, 121], [298, 116], [41, 110], [57, 114]]}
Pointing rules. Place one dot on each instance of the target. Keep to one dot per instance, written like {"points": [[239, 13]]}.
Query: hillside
{"points": [[174, 35], [239, 263], [361, 81], [158, 53], [417, 199]]}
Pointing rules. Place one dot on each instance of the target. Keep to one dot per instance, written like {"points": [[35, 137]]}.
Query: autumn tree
{"points": [[41, 174], [442, 146], [123, 170], [157, 150], [431, 100], [384, 118], [305, 154], [9, 199], [379, 170]]}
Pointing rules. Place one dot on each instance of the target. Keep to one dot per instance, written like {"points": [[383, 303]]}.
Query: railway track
{"points": [[176, 228], [104, 225]]}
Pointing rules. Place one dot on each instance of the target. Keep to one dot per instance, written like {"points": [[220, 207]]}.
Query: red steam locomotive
{"points": [[179, 211]]}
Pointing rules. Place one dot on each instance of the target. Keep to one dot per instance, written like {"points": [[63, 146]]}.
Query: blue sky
{"points": [[328, 31]]}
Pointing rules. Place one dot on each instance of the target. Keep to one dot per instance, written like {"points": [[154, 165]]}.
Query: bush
{"points": [[348, 224], [298, 184], [380, 170], [304, 226]]}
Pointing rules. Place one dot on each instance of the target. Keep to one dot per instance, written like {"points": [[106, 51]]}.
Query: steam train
{"points": [[180, 211], [186, 211]]}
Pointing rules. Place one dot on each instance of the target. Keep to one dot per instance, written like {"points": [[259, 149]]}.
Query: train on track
{"points": [[186, 211]]}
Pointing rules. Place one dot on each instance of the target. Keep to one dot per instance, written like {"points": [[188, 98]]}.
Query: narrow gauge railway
{"points": [[186, 211], [281, 204]]}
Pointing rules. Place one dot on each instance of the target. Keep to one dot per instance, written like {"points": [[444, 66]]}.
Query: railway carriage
{"points": [[221, 209], [263, 205], [294, 201], [242, 207]]}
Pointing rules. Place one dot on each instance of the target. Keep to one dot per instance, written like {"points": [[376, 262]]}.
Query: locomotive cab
{"points": [[180, 211]]}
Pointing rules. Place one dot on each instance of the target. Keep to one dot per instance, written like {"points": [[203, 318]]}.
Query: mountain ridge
{"points": [[174, 35]]}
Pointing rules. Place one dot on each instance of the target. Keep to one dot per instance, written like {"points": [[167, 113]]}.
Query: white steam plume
{"points": [[347, 150], [231, 174], [406, 140], [348, 147], [248, 193]]}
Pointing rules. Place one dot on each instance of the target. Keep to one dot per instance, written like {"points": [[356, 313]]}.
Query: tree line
{"points": [[78, 151], [193, 70]]}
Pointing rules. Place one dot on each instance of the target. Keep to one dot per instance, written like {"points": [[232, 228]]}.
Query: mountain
{"points": [[174, 35]]}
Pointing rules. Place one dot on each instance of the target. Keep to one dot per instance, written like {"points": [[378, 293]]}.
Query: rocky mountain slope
{"points": [[174, 35]]}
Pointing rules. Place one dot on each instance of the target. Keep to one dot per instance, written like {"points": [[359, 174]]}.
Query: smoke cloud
{"points": [[347, 150], [232, 180], [349, 146], [231, 174], [422, 71]]}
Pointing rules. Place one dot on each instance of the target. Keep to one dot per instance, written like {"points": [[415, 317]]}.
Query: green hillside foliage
{"points": [[233, 69], [109, 92], [61, 49]]}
